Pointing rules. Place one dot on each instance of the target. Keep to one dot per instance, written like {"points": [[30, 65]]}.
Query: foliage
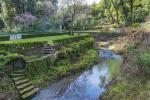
{"points": [[5, 60], [5, 86], [121, 11], [21, 45], [4, 38], [64, 69], [139, 15], [136, 25], [2, 24], [73, 50], [143, 61], [37, 67], [18, 11], [12, 57], [69, 39], [26, 18]]}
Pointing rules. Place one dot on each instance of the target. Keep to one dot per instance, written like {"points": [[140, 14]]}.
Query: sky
{"points": [[89, 2]]}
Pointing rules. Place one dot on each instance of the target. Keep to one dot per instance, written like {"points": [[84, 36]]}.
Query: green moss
{"points": [[5, 60]]}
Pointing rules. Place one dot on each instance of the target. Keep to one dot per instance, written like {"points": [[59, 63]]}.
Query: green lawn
{"points": [[48, 38]]}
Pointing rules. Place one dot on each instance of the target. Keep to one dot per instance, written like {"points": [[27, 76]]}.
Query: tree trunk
{"points": [[131, 8], [110, 14], [117, 13]]}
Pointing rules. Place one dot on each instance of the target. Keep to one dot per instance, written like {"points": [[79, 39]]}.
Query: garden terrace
{"points": [[6, 37]]}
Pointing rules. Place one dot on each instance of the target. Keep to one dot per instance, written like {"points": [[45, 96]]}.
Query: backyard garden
{"points": [[74, 49]]}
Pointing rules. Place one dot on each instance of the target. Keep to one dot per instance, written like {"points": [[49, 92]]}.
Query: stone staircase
{"points": [[23, 85], [48, 49]]}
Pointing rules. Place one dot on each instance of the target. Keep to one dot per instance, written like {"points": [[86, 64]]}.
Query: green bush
{"points": [[143, 61], [74, 49], [12, 57], [4, 38], [136, 25], [64, 41], [14, 47], [37, 67], [5, 60], [139, 15]]}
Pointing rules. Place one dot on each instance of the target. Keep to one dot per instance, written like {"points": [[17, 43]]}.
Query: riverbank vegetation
{"points": [[133, 83], [72, 56], [47, 40]]}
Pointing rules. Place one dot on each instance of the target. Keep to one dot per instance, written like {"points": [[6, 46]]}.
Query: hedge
{"points": [[70, 39], [40, 35], [4, 38], [37, 67], [21, 45]]}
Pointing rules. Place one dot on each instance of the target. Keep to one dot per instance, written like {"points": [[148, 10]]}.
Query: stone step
{"points": [[27, 89], [18, 78], [29, 94], [24, 85], [17, 75], [49, 49], [46, 52], [21, 82], [19, 71]]}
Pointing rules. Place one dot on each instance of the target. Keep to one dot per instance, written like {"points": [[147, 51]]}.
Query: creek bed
{"points": [[86, 86]]}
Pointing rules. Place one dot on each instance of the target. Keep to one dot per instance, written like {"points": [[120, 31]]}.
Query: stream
{"points": [[88, 85]]}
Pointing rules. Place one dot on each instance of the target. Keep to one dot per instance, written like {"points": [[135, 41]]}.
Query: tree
{"points": [[115, 4], [73, 8]]}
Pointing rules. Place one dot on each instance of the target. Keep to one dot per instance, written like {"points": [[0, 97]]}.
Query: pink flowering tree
{"points": [[26, 19]]}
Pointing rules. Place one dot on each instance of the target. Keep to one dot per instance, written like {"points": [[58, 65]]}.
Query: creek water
{"points": [[87, 85]]}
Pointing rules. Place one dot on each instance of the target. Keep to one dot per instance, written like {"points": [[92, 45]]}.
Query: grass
{"points": [[50, 39]]}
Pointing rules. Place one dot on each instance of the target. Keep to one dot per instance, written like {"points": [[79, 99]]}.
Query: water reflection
{"points": [[89, 84]]}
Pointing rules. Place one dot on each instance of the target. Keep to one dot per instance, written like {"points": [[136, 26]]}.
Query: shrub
{"points": [[4, 38], [143, 61], [64, 41], [136, 25], [21, 45], [74, 49], [12, 57], [139, 15], [5, 60], [37, 67]]}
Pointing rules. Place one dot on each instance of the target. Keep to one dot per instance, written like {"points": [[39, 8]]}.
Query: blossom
{"points": [[26, 18]]}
